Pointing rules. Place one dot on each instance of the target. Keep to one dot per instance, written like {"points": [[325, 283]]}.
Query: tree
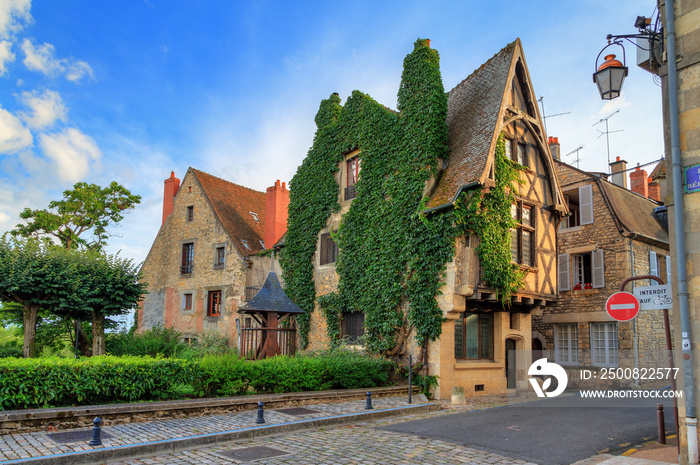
{"points": [[87, 207], [109, 286], [35, 275]]}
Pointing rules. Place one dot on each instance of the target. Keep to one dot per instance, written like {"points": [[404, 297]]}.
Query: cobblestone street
{"points": [[357, 444]]}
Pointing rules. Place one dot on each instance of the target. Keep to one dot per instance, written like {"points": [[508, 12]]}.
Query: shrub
{"points": [[158, 340], [31, 383]]}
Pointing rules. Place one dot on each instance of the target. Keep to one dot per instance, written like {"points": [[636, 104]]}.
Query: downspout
{"points": [[686, 337], [634, 320]]}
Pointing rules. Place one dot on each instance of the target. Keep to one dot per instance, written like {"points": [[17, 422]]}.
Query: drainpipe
{"points": [[634, 321], [686, 337]]}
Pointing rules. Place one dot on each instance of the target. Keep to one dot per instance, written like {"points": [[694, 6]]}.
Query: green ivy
{"points": [[487, 212]]}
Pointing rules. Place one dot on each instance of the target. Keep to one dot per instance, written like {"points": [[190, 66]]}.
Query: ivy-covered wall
{"points": [[392, 256]]}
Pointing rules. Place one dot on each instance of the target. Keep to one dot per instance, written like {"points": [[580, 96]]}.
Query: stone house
{"points": [[477, 330], [610, 234], [204, 259]]}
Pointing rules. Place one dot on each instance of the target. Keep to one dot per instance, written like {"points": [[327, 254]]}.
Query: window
{"points": [[588, 270], [187, 258], [353, 174], [522, 236], [668, 269], [329, 249], [255, 217], [580, 203], [214, 303], [654, 267], [604, 344], [521, 154], [474, 336], [566, 343], [352, 326], [509, 148], [190, 213], [245, 243], [262, 243], [187, 301], [219, 257]]}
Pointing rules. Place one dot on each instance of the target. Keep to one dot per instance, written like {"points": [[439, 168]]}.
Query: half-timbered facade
{"points": [[485, 345]]}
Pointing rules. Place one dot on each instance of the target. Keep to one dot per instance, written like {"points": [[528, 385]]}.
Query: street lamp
{"points": [[610, 74]]}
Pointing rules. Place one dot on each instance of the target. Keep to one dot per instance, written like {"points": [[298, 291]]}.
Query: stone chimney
{"points": [[638, 181], [554, 147], [172, 184], [617, 168], [276, 204], [654, 190]]}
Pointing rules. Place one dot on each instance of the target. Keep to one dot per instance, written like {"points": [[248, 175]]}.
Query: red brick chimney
{"points": [[276, 204], [172, 184], [554, 147], [654, 190], [638, 181]]}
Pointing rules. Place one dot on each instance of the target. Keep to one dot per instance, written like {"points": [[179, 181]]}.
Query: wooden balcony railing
{"points": [[253, 339]]}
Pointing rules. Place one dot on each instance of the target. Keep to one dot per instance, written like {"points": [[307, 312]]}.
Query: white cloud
{"points": [[13, 135], [6, 55], [41, 58], [45, 109], [12, 14], [71, 152]]}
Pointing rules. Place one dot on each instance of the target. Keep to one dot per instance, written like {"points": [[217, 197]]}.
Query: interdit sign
{"points": [[654, 297]]}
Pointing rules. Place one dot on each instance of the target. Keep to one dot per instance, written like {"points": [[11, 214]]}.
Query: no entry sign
{"points": [[622, 306]]}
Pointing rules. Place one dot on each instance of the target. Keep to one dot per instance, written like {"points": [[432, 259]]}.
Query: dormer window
{"points": [[262, 244], [352, 170], [245, 243], [255, 217]]}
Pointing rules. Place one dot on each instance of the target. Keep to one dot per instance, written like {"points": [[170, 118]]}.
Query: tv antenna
{"points": [[607, 133], [578, 159], [544, 117]]}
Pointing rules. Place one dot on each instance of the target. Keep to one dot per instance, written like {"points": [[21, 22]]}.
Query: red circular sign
{"points": [[622, 306]]}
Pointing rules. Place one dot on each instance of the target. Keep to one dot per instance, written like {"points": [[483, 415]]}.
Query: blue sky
{"points": [[98, 91]]}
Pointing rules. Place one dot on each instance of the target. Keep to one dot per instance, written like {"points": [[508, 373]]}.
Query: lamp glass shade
{"points": [[609, 81]]}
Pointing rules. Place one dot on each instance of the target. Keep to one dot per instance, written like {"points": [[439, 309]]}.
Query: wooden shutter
{"points": [[653, 267], [585, 199], [668, 269], [564, 281], [598, 268]]}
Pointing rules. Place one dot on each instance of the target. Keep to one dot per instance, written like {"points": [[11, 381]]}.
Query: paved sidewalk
{"points": [[334, 433]]}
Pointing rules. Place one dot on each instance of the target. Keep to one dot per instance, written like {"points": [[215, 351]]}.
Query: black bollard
{"points": [[368, 405], [410, 377], [661, 423], [96, 432], [261, 413]]}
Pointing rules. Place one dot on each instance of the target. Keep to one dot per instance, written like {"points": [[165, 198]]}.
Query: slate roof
{"points": [[271, 298], [634, 212], [473, 108], [659, 170], [232, 205]]}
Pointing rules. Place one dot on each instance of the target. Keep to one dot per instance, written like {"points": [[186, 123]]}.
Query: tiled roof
{"points": [[232, 204], [271, 298], [659, 170], [473, 108], [635, 212]]}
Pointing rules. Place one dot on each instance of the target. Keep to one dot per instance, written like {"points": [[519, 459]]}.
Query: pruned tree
{"points": [[35, 275], [110, 286], [85, 208]]}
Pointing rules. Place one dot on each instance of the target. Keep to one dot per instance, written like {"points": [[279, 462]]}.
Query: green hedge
{"points": [[44, 382], [50, 382]]}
